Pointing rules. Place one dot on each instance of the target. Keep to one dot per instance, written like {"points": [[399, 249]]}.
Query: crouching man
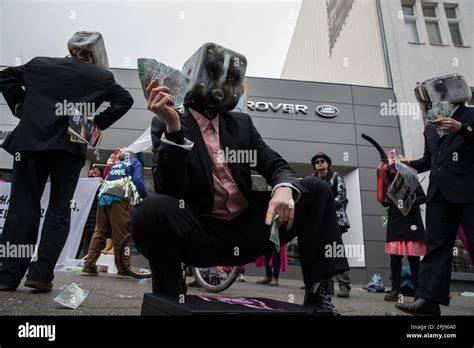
{"points": [[205, 212]]}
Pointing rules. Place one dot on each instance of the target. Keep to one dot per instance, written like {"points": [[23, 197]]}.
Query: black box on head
{"points": [[154, 304], [216, 76]]}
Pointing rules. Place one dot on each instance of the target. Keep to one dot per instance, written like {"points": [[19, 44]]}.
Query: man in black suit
{"points": [[450, 199], [205, 212], [42, 148]]}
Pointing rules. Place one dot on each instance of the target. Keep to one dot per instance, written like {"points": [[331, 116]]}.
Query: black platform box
{"points": [[193, 305]]}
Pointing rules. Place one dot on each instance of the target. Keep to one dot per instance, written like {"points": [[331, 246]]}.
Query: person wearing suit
{"points": [[450, 202], [42, 148], [205, 212]]}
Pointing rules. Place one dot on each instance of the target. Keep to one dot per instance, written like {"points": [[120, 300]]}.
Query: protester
{"points": [[123, 187], [205, 212], [405, 237], [274, 262], [41, 147], [449, 156], [322, 165]]}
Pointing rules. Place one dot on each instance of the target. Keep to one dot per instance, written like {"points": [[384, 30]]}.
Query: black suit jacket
{"points": [[451, 161], [48, 81], [187, 174]]}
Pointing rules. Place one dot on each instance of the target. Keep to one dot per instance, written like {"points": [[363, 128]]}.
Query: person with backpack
{"points": [[123, 187]]}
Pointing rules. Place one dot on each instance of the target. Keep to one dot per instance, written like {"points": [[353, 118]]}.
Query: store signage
{"points": [[275, 107], [327, 111]]}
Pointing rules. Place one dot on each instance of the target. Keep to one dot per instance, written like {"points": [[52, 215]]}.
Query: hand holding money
{"points": [[161, 103], [449, 125]]}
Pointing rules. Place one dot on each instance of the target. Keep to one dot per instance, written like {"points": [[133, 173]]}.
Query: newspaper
{"points": [[402, 189]]}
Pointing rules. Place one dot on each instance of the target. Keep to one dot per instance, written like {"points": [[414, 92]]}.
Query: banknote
{"points": [[72, 296], [439, 110], [149, 69], [274, 236]]}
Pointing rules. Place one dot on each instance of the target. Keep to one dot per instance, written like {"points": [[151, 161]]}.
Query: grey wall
{"points": [[297, 137]]}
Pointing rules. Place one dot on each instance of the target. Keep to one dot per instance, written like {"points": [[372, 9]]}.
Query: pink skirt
{"points": [[406, 248]]}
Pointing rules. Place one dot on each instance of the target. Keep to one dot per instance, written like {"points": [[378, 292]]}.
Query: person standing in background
{"points": [[123, 187], [274, 262], [405, 237], [322, 165]]}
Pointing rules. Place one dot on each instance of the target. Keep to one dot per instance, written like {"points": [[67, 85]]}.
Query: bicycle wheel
{"points": [[134, 263], [215, 279]]}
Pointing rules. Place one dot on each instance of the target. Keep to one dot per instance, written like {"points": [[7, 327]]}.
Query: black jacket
{"points": [[338, 187], [406, 228], [48, 81], [187, 174], [451, 161]]}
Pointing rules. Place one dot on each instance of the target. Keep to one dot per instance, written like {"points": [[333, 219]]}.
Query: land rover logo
{"points": [[327, 111]]}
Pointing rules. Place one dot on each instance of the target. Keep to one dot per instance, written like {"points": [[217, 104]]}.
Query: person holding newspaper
{"points": [[40, 93]]}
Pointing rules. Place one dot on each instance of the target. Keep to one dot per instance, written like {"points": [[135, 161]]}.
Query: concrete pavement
{"points": [[110, 295]]}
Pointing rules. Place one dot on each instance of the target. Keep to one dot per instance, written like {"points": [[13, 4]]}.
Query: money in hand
{"points": [[274, 236], [149, 70]]}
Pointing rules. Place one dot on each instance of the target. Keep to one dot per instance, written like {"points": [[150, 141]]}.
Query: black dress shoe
{"points": [[319, 298], [392, 296], [420, 307], [39, 286]]}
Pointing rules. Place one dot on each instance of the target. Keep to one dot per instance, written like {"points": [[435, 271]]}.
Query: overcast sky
{"points": [[169, 31]]}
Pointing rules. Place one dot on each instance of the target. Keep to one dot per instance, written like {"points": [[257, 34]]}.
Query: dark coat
{"points": [[188, 174], [450, 160], [48, 81], [406, 228], [338, 187]]}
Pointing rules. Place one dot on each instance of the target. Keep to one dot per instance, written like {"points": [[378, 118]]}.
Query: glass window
{"points": [[456, 34], [412, 31], [450, 12], [408, 10], [434, 34], [429, 10]]}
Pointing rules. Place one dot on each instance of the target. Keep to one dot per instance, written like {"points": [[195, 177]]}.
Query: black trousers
{"points": [[168, 233], [272, 270], [30, 173], [344, 281], [442, 223], [396, 270]]}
